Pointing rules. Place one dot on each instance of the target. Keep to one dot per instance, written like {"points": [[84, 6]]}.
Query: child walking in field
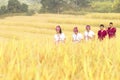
{"points": [[89, 34], [76, 37], [102, 33], [59, 36], [111, 30]]}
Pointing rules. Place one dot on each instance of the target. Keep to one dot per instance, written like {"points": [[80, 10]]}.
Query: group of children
{"points": [[110, 31], [88, 34]]}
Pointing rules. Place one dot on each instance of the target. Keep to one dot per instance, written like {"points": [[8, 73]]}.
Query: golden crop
{"points": [[28, 52]]}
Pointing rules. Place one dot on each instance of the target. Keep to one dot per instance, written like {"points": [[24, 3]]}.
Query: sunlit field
{"points": [[28, 52]]}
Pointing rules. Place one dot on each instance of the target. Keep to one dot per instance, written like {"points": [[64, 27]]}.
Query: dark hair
{"points": [[111, 23], [60, 30], [101, 25], [87, 25]]}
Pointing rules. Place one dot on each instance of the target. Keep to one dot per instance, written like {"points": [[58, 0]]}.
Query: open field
{"points": [[28, 52]]}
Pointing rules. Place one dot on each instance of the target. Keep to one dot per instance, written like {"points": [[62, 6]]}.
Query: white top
{"points": [[77, 37], [59, 37], [88, 35]]}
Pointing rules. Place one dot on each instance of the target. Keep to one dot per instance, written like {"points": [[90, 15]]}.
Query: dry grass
{"points": [[28, 52]]}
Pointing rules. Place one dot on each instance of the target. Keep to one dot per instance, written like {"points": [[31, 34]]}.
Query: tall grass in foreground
{"points": [[42, 60], [34, 56]]}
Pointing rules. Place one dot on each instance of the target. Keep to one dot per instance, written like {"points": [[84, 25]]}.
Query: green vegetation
{"points": [[103, 7], [116, 5], [14, 6], [59, 6]]}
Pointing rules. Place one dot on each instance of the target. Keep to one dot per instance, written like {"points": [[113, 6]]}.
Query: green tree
{"points": [[78, 4], [55, 6], [3, 10], [24, 8], [14, 6], [63, 5], [105, 6], [116, 6]]}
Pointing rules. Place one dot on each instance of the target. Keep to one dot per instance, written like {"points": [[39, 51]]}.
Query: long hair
{"points": [[60, 31], [58, 27]]}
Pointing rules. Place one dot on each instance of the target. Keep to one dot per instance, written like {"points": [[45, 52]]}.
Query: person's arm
{"points": [[91, 35], [81, 38], [74, 38], [98, 35], [105, 33], [114, 32]]}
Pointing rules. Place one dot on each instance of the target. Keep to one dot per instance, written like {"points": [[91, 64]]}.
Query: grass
{"points": [[28, 52]]}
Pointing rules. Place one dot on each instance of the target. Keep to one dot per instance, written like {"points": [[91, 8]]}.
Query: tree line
{"points": [[14, 6], [61, 6], [58, 6]]}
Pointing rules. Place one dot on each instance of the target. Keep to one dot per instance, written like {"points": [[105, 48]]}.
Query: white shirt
{"points": [[77, 37], [88, 35], [59, 37]]}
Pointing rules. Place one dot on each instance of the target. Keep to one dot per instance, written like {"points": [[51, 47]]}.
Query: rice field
{"points": [[28, 52]]}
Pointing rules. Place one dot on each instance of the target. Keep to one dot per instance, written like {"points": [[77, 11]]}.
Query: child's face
{"points": [[58, 31], [110, 25], [88, 28], [75, 30], [101, 27]]}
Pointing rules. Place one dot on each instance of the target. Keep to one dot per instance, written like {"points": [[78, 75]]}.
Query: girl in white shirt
{"points": [[88, 34], [76, 37], [59, 36]]}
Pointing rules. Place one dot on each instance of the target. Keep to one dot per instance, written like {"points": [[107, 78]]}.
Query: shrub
{"points": [[30, 13], [3, 10], [102, 6]]}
